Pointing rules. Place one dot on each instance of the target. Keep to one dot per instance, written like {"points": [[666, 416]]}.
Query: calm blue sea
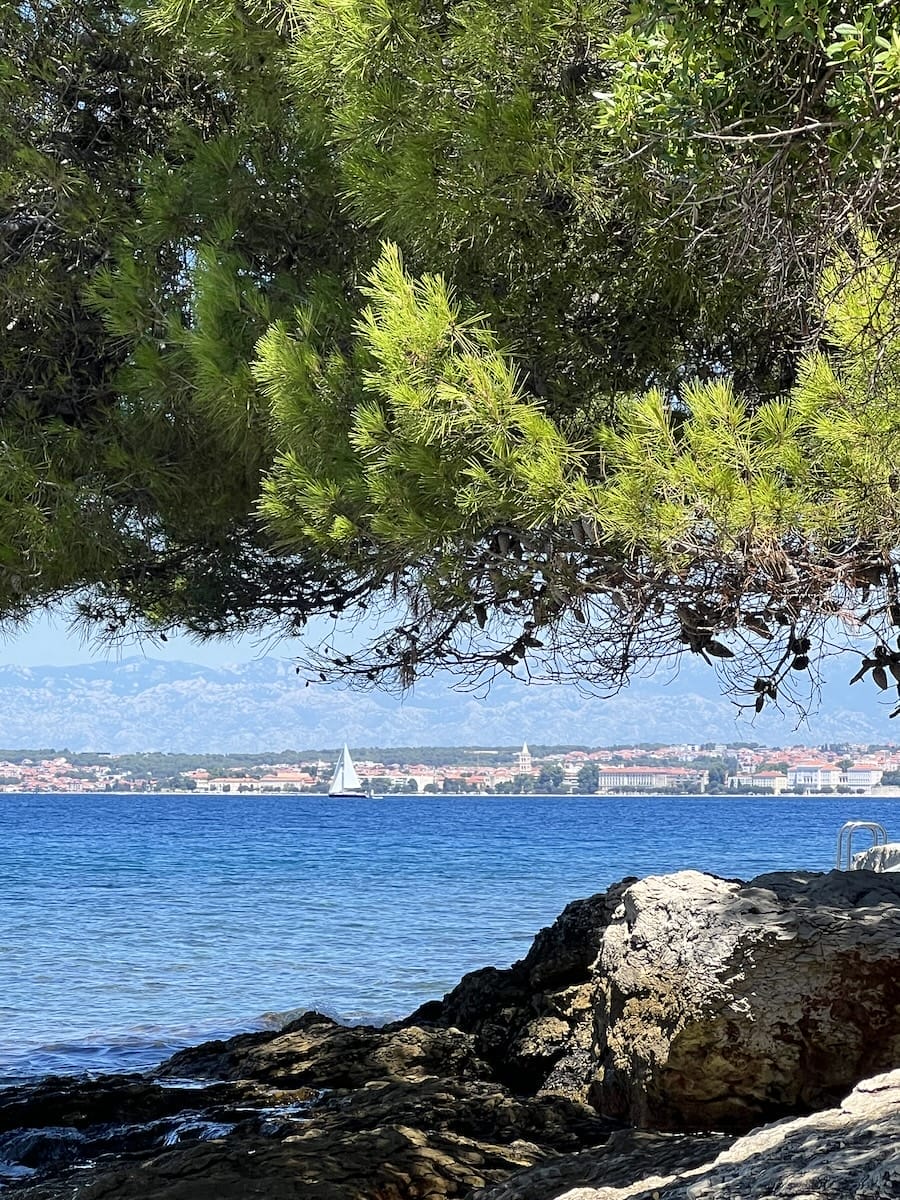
{"points": [[130, 925]]}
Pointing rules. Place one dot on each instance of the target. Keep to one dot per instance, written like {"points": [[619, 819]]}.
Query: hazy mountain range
{"points": [[146, 704]]}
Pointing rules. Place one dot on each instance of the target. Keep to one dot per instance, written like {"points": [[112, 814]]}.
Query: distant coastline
{"points": [[646, 769], [892, 793], [883, 793]]}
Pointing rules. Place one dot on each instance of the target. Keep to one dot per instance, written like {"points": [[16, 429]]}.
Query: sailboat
{"points": [[346, 782]]}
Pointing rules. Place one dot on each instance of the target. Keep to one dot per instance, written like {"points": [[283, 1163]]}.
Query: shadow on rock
{"points": [[679, 1004]]}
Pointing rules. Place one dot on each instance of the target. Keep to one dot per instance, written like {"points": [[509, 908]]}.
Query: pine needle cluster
{"points": [[562, 334]]}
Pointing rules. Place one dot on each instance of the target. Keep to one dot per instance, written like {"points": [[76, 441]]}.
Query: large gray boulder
{"points": [[879, 858], [688, 1002], [722, 1004]]}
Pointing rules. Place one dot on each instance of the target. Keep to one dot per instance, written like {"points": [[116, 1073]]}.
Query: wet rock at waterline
{"points": [[688, 1002], [64, 1122], [406, 1112], [640, 1025]]}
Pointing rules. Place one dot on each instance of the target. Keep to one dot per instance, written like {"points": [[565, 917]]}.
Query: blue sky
{"points": [[49, 640]]}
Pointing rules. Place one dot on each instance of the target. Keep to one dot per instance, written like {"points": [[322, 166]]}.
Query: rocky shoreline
{"points": [[631, 1052]]}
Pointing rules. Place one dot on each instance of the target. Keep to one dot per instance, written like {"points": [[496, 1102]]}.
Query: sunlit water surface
{"points": [[130, 925]]}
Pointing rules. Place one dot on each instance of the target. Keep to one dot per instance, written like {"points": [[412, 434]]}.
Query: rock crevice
{"points": [[645, 1030]]}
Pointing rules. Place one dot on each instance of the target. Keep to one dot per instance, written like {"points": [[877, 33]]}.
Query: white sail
{"points": [[346, 782]]}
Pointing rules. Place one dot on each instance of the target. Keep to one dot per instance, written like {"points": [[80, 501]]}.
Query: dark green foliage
{"points": [[153, 227], [588, 779], [556, 333], [550, 778]]}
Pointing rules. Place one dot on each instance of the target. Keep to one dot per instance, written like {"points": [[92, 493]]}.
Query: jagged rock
{"points": [[389, 1140], [848, 1153], [397, 1163], [724, 1004], [75, 1103], [687, 1002], [63, 1121], [533, 1022], [683, 1002], [315, 1051]]}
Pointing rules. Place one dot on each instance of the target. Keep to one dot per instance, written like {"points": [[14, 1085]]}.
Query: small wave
{"points": [[131, 1051], [197, 1130], [350, 1017], [143, 1047], [14, 1172]]}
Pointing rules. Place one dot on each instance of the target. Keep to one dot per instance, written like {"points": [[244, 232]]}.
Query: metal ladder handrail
{"points": [[845, 837]]}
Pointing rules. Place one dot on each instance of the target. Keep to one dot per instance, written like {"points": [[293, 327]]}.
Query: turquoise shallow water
{"points": [[132, 925]]}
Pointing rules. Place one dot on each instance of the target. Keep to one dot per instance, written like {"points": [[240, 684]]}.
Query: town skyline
{"points": [[679, 768]]}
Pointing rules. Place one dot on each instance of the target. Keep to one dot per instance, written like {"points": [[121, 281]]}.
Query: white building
{"points": [[814, 776], [770, 781], [862, 775], [265, 785], [651, 779], [525, 760]]}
